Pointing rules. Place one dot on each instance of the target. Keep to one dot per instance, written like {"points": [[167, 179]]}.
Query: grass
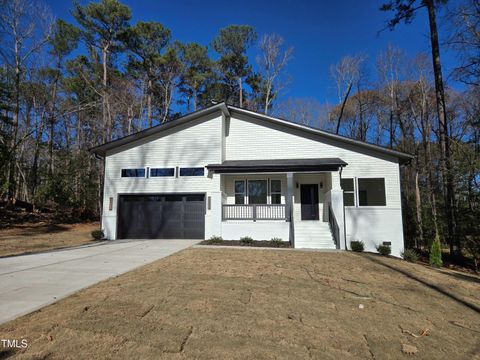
{"points": [[205, 303], [38, 237]]}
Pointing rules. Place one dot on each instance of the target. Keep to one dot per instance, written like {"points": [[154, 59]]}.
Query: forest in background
{"points": [[66, 87]]}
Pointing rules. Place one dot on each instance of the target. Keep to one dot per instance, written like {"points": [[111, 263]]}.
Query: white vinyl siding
{"points": [[214, 138], [194, 144], [371, 224], [270, 141]]}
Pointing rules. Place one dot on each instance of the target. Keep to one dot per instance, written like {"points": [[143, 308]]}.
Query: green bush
{"points": [[384, 250], [246, 240], [98, 234], [276, 241], [410, 255], [357, 246], [435, 258], [215, 239]]}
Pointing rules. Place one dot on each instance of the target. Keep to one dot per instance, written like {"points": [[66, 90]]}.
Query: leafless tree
{"points": [[305, 111], [346, 73], [272, 61], [388, 69], [25, 27], [464, 21]]}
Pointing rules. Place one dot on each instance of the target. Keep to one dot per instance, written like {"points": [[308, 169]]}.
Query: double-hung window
{"points": [[275, 191], [348, 191], [240, 192]]}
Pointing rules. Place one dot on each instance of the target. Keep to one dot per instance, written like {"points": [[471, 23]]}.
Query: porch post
{"points": [[336, 180], [336, 198], [289, 203], [213, 211]]}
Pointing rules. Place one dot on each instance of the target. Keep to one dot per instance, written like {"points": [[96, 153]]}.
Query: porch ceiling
{"points": [[277, 165]]}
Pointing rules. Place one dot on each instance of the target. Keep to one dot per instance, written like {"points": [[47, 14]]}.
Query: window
{"points": [[196, 171], [239, 192], [348, 192], [276, 191], [155, 172], [371, 192], [133, 172], [257, 191]]}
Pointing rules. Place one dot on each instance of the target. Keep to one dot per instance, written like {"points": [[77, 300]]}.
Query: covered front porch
{"points": [[296, 200]]}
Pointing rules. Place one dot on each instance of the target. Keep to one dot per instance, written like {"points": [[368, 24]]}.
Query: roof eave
{"points": [[101, 150], [404, 158], [272, 169]]}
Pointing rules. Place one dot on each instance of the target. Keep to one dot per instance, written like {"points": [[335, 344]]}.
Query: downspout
{"points": [[344, 217]]}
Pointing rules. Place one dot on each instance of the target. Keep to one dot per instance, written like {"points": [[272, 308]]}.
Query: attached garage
{"points": [[161, 216]]}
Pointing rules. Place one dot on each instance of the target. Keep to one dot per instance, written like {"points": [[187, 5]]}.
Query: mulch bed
{"points": [[254, 243]]}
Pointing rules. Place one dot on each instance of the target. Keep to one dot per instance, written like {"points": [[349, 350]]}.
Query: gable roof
{"points": [[102, 149], [227, 110]]}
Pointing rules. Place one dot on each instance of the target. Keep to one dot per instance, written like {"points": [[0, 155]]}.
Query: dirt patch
{"points": [[38, 237], [206, 303]]}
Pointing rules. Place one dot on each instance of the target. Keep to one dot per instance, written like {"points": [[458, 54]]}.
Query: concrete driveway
{"points": [[30, 282]]}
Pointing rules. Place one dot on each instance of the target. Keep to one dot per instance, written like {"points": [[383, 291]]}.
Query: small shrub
{"points": [[410, 255], [384, 250], [98, 234], [215, 239], [357, 246], [276, 241], [246, 240], [435, 258]]}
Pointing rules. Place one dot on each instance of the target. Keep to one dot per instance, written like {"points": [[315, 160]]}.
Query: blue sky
{"points": [[321, 32]]}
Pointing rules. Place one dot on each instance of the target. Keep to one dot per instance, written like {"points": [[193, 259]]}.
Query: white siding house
{"points": [[231, 172]]}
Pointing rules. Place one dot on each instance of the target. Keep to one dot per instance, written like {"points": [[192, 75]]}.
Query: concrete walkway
{"points": [[29, 282]]}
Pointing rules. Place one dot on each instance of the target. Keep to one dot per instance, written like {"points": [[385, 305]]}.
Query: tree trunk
{"points": [[449, 196], [240, 84], [52, 126], [344, 102], [106, 122], [149, 103], [15, 120], [267, 98], [418, 203], [194, 99]]}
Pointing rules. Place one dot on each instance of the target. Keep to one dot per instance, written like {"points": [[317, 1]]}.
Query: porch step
{"points": [[313, 235]]}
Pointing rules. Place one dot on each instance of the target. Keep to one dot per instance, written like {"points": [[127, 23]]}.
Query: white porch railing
{"points": [[255, 212]]}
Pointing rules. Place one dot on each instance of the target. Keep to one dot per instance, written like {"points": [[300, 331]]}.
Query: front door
{"points": [[309, 201]]}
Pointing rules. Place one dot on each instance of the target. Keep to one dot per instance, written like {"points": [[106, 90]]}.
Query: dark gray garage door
{"points": [[161, 216]]}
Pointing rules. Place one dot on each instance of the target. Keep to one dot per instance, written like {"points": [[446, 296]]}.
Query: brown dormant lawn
{"points": [[34, 238], [205, 303]]}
